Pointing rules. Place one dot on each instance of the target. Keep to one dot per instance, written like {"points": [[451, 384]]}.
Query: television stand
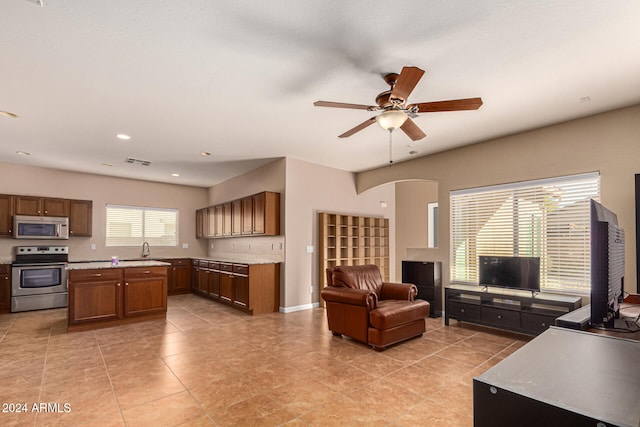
{"points": [[514, 310]]}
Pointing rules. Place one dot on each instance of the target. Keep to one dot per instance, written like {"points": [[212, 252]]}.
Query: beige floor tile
{"points": [[208, 364], [168, 411]]}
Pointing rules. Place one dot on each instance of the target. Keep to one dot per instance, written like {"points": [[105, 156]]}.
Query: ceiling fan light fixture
{"points": [[391, 119]]}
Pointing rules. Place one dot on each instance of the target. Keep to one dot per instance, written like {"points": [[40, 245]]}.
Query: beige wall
{"points": [[608, 143], [305, 189], [311, 189], [103, 190], [411, 224]]}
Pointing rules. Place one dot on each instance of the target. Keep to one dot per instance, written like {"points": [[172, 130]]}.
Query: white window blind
{"points": [[547, 218], [132, 226]]}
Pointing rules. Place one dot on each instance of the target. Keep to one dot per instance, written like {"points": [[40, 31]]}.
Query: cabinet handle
{"points": [[462, 310], [96, 275], [499, 316], [126, 284], [544, 325], [147, 272], [70, 231], [46, 212], [118, 284]]}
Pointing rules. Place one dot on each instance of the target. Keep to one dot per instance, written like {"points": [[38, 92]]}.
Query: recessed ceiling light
{"points": [[23, 153], [175, 174], [123, 137], [205, 153], [413, 152], [8, 114]]}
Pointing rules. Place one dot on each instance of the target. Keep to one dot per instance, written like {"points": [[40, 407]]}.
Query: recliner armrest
{"points": [[401, 291], [361, 297]]}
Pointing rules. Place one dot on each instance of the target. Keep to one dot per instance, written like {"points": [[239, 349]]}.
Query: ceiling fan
{"points": [[396, 113]]}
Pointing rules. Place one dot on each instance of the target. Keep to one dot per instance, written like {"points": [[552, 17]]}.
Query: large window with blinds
{"points": [[133, 225], [544, 218]]}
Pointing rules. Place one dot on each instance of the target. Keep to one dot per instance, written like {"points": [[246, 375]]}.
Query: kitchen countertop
{"points": [[121, 264], [236, 260]]}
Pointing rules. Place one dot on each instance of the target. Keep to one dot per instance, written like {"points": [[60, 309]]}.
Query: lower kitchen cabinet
{"points": [[109, 296], [179, 276], [5, 288], [252, 288]]}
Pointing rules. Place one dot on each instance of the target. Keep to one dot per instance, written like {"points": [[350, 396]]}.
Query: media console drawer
{"points": [[462, 311], [499, 317]]}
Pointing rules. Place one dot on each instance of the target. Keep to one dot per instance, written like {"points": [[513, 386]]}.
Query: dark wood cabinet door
{"points": [[145, 291], [227, 221], [27, 205], [5, 287], [195, 276], [95, 295], [236, 217], [214, 283], [80, 218], [6, 214], [241, 291], [219, 220], [201, 218], [55, 207], [258, 213], [203, 280], [178, 280], [226, 286], [247, 215]]}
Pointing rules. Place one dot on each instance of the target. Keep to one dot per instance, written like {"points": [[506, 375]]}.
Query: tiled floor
{"points": [[211, 365]]}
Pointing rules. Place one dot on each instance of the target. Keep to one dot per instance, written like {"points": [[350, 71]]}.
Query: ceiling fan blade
{"points": [[451, 105], [412, 130], [358, 128], [407, 81], [345, 105]]}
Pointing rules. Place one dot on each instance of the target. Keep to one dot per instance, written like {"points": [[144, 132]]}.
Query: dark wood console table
{"points": [[563, 377], [510, 309]]}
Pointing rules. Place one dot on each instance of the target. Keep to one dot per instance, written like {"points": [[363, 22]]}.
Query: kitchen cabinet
{"points": [[40, 206], [247, 215], [195, 275], [236, 217], [6, 214], [202, 286], [252, 288], [179, 276], [258, 214], [227, 214], [80, 218], [266, 213], [145, 290], [5, 288], [110, 296], [226, 282], [213, 280], [201, 220], [95, 295]]}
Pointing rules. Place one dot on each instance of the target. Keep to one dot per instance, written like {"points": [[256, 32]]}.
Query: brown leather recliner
{"points": [[361, 306]]}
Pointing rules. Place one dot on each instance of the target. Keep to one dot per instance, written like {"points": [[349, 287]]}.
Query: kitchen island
{"points": [[102, 294]]}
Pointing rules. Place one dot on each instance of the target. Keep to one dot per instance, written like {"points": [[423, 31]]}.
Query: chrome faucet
{"points": [[146, 251]]}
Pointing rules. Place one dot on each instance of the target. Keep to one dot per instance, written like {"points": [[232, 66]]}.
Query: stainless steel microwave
{"points": [[40, 227]]}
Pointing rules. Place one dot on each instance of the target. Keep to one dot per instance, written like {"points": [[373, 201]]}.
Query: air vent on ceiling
{"points": [[137, 161]]}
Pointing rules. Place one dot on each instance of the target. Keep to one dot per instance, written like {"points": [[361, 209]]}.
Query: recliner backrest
{"points": [[366, 277]]}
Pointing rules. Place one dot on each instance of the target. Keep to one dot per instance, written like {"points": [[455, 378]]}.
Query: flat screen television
{"points": [[510, 272], [607, 266]]}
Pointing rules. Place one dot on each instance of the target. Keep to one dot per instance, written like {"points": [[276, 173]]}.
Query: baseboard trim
{"points": [[299, 307]]}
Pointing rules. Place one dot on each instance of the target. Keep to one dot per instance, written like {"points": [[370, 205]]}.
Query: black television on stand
{"points": [[607, 266], [510, 272]]}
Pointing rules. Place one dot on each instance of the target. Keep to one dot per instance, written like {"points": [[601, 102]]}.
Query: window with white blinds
{"points": [[132, 226], [547, 218]]}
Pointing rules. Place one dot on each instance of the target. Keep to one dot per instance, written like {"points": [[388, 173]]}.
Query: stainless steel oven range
{"points": [[39, 278]]}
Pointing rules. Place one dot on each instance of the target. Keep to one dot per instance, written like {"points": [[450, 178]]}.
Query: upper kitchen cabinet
{"points": [[6, 214], [41, 206], [80, 218], [266, 213], [258, 214]]}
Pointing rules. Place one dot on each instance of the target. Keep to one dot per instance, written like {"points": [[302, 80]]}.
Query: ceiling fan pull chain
{"points": [[390, 151]]}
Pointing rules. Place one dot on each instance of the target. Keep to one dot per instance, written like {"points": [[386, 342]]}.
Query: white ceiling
{"points": [[238, 78]]}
